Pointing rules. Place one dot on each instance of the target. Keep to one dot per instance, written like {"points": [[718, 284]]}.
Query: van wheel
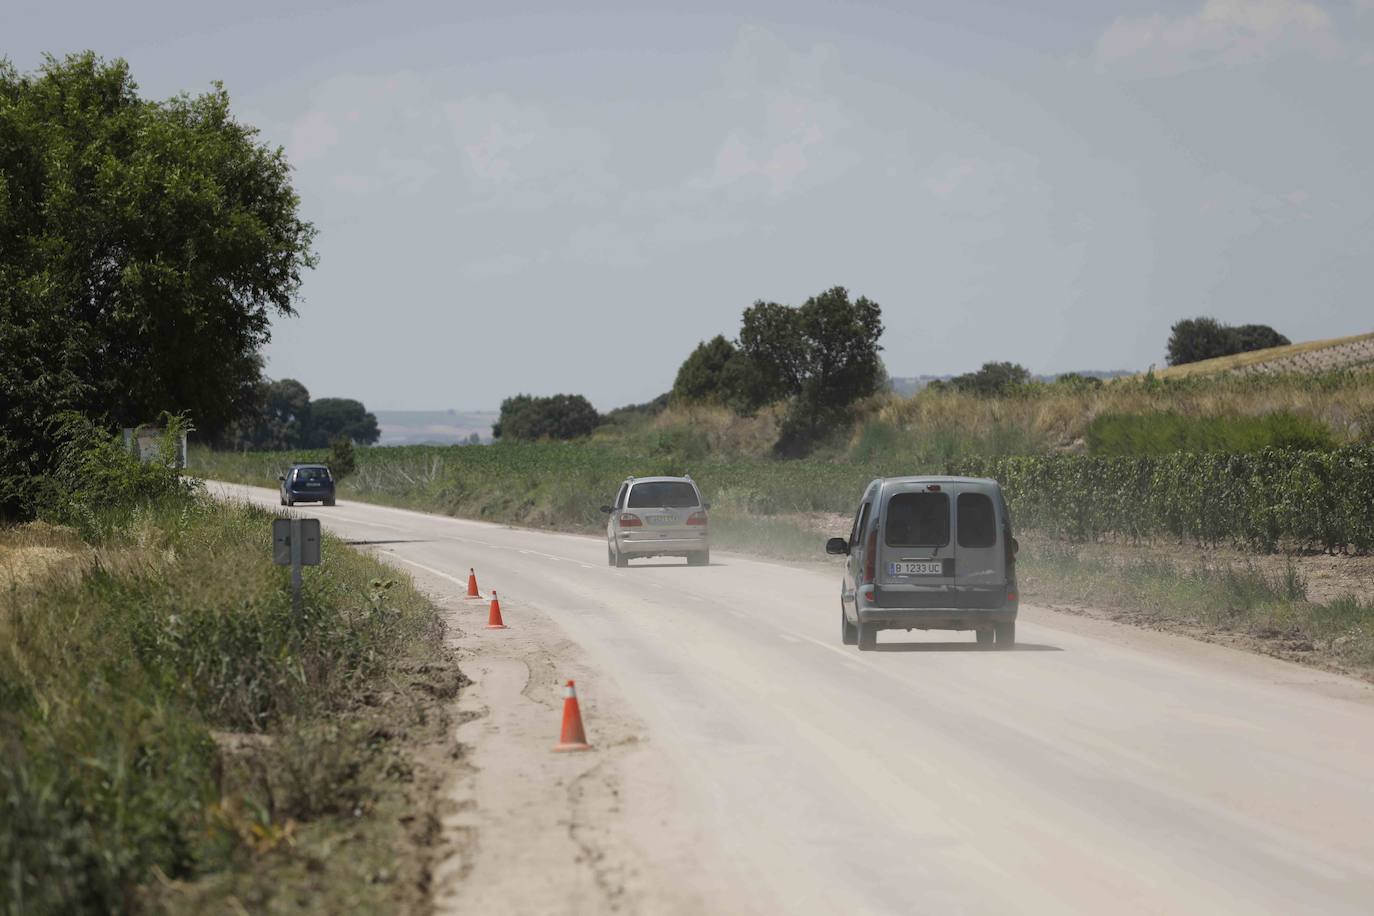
{"points": [[610, 555], [867, 636], [1006, 634], [701, 558], [621, 561], [329, 501], [849, 634], [984, 636]]}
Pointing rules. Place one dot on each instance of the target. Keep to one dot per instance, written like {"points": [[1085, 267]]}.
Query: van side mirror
{"points": [[1015, 546], [607, 509], [837, 547], [705, 505]]}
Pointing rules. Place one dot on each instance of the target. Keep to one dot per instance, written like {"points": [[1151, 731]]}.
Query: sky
{"points": [[526, 197]]}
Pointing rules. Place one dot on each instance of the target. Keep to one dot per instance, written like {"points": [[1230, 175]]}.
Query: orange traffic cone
{"points": [[472, 584], [494, 621], [573, 737]]}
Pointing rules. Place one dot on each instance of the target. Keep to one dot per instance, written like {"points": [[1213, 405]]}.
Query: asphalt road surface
{"points": [[1097, 768]]}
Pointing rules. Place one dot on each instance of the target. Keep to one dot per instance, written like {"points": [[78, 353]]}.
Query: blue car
{"points": [[307, 483]]}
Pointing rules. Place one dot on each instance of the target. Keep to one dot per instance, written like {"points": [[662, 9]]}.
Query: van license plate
{"points": [[916, 568], [662, 519]]}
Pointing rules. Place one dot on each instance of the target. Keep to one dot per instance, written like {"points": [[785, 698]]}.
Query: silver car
{"points": [[658, 517], [929, 553]]}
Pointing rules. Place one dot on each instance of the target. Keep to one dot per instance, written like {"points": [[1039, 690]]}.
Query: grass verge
{"points": [[175, 738]]}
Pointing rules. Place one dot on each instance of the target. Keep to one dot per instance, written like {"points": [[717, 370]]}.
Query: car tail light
{"points": [[630, 520], [696, 518], [871, 556]]}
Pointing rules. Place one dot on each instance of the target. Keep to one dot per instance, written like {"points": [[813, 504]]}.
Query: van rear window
{"points": [[663, 494], [917, 520], [977, 521]]}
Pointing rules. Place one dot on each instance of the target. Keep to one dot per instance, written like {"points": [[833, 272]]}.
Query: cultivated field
{"points": [[1313, 356]]}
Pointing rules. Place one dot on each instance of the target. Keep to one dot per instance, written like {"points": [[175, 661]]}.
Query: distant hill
{"points": [[909, 385], [434, 427], [1353, 352]]}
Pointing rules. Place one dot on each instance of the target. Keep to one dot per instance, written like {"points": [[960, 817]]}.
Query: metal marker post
{"points": [[296, 543]]}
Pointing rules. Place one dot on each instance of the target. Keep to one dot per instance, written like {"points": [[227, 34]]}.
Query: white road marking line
{"points": [[431, 569], [789, 637], [847, 656]]}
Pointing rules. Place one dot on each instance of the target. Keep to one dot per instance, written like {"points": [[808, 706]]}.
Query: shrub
{"points": [[94, 474], [1195, 339], [342, 460], [992, 379], [528, 419]]}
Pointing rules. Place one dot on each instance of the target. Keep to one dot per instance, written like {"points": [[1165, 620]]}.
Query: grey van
{"points": [[929, 553]]}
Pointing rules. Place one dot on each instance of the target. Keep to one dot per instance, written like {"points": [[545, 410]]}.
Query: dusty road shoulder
{"points": [[527, 830]]}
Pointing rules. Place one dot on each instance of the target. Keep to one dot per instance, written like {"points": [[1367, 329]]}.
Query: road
{"points": [[1097, 768]]}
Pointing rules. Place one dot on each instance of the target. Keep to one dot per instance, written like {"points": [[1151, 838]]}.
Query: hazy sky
{"points": [[526, 197]]}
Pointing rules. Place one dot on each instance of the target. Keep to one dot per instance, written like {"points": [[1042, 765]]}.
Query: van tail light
{"points": [[870, 557], [696, 518], [630, 520]]}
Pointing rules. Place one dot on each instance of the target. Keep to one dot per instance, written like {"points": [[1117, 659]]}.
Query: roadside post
{"points": [[296, 543]]}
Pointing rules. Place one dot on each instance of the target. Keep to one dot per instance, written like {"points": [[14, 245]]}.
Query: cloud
{"points": [[782, 119], [1222, 33], [312, 136]]}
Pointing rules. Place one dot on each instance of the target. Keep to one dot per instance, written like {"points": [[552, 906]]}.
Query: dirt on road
{"points": [[524, 829]]}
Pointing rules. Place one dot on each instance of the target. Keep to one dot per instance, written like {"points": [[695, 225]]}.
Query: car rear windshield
{"points": [[667, 494], [918, 520], [312, 473], [977, 521]]}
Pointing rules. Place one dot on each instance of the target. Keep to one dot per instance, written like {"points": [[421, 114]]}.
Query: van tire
{"points": [[1005, 634], [610, 554], [329, 501], [867, 637], [621, 561], [849, 634], [700, 558], [985, 636]]}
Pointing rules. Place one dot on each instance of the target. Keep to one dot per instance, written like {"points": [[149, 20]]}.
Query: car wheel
{"points": [[329, 501], [984, 637], [281, 499], [867, 636], [621, 561], [1006, 634], [290, 502], [702, 558], [849, 634]]}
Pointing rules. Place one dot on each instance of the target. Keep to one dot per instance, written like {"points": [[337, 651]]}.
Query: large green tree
{"points": [[340, 418], [823, 355], [144, 248], [525, 418], [1194, 339]]}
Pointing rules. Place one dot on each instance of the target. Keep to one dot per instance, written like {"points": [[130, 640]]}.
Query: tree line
{"points": [[818, 358], [284, 416]]}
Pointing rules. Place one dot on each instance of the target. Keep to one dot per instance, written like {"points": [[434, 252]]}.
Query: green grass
{"points": [[173, 736], [1161, 433], [1238, 598]]}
